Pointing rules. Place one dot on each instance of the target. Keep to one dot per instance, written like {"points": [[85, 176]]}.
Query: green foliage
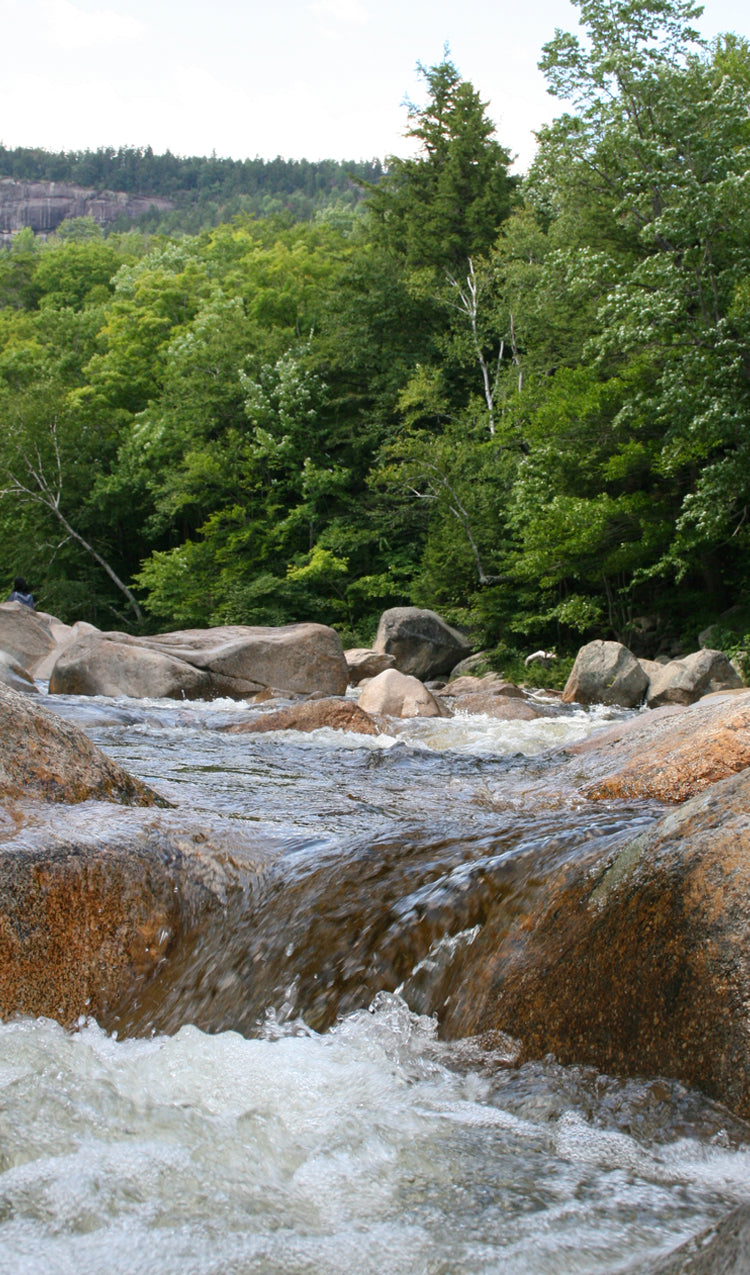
{"points": [[527, 406], [448, 203]]}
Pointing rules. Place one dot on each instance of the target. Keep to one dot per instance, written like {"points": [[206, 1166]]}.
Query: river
{"points": [[309, 1119]]}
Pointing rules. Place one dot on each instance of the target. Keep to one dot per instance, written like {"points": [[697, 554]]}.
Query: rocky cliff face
{"points": [[44, 205]]}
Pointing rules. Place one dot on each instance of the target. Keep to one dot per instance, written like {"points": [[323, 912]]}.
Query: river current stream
{"points": [[288, 1106]]}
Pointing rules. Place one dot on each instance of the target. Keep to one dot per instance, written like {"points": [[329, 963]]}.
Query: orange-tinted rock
{"points": [[43, 756], [636, 961], [679, 755], [86, 920], [336, 714]]}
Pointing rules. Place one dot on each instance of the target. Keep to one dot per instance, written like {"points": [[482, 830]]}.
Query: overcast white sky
{"points": [[299, 78]]}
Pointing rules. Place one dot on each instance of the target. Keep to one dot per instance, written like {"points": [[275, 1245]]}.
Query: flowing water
{"points": [[284, 1103]]}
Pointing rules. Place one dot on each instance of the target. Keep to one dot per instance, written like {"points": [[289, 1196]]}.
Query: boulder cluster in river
{"points": [[636, 960]]}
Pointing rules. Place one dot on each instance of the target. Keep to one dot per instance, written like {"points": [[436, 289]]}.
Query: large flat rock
{"points": [[234, 660]]}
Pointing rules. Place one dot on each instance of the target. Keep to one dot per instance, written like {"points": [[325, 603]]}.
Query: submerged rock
{"points": [[502, 707], [490, 684], [336, 714], [423, 644], [722, 1249], [43, 756], [492, 696], [635, 962]]}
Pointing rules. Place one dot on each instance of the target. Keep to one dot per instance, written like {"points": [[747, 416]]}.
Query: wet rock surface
{"points": [[723, 1249], [87, 918], [637, 962], [42, 756], [335, 714], [672, 753]]}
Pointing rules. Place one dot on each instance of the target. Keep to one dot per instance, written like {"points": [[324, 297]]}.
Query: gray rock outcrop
{"points": [[606, 673], [234, 661], [423, 644], [43, 206], [684, 681]]}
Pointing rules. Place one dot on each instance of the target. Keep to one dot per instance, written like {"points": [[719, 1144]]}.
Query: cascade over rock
{"points": [[637, 962]]}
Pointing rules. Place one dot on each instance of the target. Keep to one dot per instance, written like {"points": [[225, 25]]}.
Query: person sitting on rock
{"points": [[21, 593]]}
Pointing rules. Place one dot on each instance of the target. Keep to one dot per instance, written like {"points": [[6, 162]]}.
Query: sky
{"points": [[309, 79]]}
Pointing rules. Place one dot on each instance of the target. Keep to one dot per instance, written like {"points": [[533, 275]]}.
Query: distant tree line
{"points": [[137, 170], [220, 187]]}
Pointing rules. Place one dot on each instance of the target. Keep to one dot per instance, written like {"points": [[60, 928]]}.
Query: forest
{"points": [[521, 401]]}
